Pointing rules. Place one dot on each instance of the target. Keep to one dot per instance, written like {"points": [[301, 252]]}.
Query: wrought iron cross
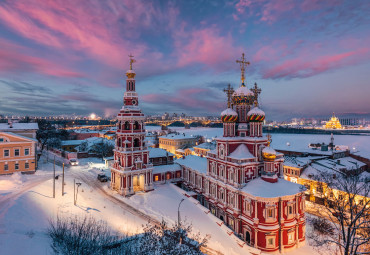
{"points": [[256, 91], [131, 60], [243, 63], [229, 92]]}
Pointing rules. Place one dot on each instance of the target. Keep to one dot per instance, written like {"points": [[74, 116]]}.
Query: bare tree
{"points": [[346, 203]]}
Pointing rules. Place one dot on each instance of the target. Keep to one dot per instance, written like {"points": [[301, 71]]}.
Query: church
{"points": [[240, 181]]}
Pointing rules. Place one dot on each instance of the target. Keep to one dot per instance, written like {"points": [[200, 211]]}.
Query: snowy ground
{"points": [[27, 203]]}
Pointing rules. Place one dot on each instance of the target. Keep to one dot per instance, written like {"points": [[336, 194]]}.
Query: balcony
{"points": [[124, 149]]}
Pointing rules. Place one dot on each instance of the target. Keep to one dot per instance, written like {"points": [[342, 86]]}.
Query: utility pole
{"points": [[54, 180], [63, 181]]}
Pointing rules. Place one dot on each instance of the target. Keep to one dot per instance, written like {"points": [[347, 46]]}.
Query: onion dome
{"points": [[256, 115], [130, 74], [229, 115], [269, 153], [243, 95]]}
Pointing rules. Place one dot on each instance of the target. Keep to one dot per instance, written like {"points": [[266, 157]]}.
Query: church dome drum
{"points": [[243, 96]]}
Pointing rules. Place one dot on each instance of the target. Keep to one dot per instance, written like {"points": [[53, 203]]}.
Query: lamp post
{"points": [[76, 193], [178, 211]]}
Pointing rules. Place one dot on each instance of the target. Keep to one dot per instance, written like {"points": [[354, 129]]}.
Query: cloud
{"points": [[303, 66], [13, 60]]}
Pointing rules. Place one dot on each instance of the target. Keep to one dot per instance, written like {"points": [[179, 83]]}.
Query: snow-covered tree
{"points": [[345, 195]]}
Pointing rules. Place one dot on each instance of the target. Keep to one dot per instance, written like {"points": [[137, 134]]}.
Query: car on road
{"points": [[73, 162], [102, 178]]}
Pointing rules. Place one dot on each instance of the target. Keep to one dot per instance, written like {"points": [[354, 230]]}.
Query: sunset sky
{"points": [[310, 57]]}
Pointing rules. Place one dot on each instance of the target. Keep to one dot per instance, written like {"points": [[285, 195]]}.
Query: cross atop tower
{"points": [[269, 140], [256, 91], [243, 63], [132, 60], [229, 92]]}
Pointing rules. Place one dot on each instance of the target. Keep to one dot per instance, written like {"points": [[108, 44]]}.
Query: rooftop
{"points": [[166, 168], [178, 136], [194, 162], [18, 126], [157, 152], [241, 152], [281, 188]]}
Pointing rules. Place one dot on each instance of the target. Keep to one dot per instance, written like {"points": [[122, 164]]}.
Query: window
{"points": [[156, 178], [26, 165], [1, 140], [291, 237], [6, 167], [26, 152], [270, 212], [16, 152], [6, 153], [16, 166], [270, 242], [290, 209]]}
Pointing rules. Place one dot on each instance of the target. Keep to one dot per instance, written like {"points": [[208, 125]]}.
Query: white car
{"points": [[73, 162]]}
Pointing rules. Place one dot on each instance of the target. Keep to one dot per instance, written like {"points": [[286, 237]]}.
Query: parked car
{"points": [[73, 162], [102, 178]]}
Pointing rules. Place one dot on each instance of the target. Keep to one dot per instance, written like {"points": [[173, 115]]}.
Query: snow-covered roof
{"points": [[207, 146], [330, 166], [178, 136], [300, 161], [269, 150], [241, 152], [166, 168], [72, 142], [194, 162], [281, 188], [243, 91], [157, 152], [18, 126], [20, 136], [256, 111], [229, 111]]}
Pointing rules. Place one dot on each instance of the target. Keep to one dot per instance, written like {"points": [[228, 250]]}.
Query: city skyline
{"points": [[309, 57]]}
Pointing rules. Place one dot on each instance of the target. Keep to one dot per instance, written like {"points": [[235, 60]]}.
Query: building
{"points": [[17, 153], [23, 129], [131, 170], [175, 141], [203, 148], [333, 123], [302, 170], [159, 157], [241, 181]]}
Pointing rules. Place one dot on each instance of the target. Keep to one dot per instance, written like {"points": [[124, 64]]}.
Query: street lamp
{"points": [[178, 211], [76, 193]]}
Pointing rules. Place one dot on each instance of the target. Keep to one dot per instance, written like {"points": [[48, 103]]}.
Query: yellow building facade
{"points": [[173, 142], [17, 153]]}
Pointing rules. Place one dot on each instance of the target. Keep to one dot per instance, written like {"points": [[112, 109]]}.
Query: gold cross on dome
{"points": [[256, 91], [132, 60], [243, 63], [229, 92], [269, 140]]}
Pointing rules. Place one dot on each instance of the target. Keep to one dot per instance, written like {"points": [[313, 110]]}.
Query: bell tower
{"points": [[131, 171]]}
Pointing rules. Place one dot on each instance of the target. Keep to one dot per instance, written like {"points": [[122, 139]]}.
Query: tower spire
{"points": [[243, 63], [229, 92], [131, 73]]}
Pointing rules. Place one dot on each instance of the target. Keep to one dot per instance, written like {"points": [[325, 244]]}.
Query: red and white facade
{"points": [[243, 184], [131, 170]]}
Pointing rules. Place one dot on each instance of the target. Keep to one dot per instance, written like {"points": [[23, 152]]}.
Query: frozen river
{"points": [[360, 144]]}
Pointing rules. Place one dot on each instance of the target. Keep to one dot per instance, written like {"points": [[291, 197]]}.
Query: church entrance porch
{"points": [[138, 182]]}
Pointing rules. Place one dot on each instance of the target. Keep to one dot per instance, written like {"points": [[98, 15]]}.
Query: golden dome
{"points": [[130, 74]]}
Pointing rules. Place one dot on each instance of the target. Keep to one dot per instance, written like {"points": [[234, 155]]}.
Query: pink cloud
{"points": [[12, 60], [206, 46], [302, 66], [191, 98]]}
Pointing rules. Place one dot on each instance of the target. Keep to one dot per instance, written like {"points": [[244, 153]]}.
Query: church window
{"points": [[156, 178], [291, 237], [270, 212], [136, 125], [270, 241], [127, 125], [136, 142]]}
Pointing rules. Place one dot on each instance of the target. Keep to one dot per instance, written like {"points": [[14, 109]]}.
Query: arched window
{"points": [[119, 142], [136, 142], [119, 125], [127, 125], [136, 125]]}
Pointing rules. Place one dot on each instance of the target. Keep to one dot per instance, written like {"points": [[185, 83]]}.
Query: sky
{"points": [[310, 57]]}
